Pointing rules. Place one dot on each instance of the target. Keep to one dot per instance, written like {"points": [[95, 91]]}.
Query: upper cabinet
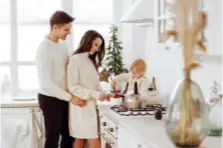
{"points": [[212, 37]]}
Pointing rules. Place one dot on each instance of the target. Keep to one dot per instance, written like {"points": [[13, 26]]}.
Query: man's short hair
{"points": [[60, 18]]}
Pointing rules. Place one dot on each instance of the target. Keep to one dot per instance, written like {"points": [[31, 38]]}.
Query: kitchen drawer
{"points": [[126, 139]]}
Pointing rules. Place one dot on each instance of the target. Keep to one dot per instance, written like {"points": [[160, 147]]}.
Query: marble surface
{"points": [[151, 131]]}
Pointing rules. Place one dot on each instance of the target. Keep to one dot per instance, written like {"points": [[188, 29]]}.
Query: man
{"points": [[51, 61]]}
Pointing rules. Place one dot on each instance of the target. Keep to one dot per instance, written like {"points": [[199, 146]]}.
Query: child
{"points": [[138, 70]]}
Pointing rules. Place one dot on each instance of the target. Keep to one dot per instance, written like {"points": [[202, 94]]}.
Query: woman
{"points": [[83, 81]]}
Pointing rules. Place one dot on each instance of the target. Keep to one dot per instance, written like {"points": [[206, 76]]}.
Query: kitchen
{"points": [[140, 40], [171, 61]]}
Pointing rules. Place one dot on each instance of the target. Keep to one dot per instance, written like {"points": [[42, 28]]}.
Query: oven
{"points": [[108, 133]]}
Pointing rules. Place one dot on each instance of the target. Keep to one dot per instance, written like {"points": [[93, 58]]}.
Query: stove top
{"points": [[149, 110]]}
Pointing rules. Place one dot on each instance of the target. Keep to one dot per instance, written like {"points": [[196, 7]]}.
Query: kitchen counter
{"points": [[151, 131], [19, 104]]}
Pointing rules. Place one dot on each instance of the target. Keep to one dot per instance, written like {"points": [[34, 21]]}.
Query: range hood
{"points": [[141, 12]]}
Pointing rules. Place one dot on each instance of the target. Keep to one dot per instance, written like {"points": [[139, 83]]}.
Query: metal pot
{"points": [[131, 101]]}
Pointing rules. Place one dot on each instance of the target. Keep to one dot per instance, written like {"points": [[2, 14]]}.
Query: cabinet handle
{"points": [[104, 123], [139, 146], [106, 139], [111, 129]]}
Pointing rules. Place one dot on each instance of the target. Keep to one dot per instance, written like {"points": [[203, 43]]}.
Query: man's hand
{"points": [[78, 101]]}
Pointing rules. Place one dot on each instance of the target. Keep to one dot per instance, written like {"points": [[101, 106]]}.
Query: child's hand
{"points": [[117, 95], [108, 97], [113, 84], [105, 97]]}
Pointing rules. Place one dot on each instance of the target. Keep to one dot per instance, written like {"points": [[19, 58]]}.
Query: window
{"points": [[27, 43], [96, 15], [5, 52], [5, 30], [5, 36], [33, 25], [6, 84], [80, 29], [22, 29], [93, 11]]}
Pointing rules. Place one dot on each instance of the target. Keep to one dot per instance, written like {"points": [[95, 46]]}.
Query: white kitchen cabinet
{"points": [[128, 140]]}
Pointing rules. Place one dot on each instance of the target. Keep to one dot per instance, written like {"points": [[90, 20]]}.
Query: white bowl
{"points": [[115, 101]]}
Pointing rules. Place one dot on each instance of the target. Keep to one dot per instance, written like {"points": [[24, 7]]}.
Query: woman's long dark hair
{"points": [[86, 44]]}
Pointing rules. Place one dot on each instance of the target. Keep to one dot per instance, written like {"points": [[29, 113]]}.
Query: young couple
{"points": [[69, 88]]}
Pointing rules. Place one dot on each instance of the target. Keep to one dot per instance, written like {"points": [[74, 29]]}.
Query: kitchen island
{"points": [[145, 132]]}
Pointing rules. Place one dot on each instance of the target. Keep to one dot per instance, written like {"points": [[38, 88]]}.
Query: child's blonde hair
{"points": [[138, 66]]}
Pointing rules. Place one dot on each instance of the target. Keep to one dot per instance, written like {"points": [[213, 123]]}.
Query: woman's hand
{"points": [[102, 97], [105, 97]]}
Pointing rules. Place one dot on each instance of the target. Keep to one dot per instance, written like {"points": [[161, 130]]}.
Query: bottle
{"points": [[136, 88], [152, 86], [153, 97], [135, 102]]}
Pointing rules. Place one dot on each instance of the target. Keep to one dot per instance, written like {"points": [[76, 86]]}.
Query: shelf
{"points": [[209, 57], [145, 24], [165, 17]]}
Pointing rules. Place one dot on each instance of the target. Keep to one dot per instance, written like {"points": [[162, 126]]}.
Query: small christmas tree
{"points": [[114, 61]]}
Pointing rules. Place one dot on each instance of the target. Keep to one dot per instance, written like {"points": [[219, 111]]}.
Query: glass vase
{"points": [[187, 120]]}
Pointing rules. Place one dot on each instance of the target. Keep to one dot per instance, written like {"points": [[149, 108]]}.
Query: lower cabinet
{"points": [[128, 140]]}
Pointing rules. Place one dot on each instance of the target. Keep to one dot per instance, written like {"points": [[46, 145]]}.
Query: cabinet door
{"points": [[127, 140]]}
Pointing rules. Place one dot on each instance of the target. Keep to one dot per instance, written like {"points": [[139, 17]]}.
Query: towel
{"points": [[34, 131], [12, 133]]}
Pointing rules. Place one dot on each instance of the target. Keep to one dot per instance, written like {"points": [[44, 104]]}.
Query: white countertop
{"points": [[19, 104], [151, 131]]}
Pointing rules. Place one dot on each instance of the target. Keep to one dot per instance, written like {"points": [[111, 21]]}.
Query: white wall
{"points": [[133, 37], [212, 70], [165, 65]]}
